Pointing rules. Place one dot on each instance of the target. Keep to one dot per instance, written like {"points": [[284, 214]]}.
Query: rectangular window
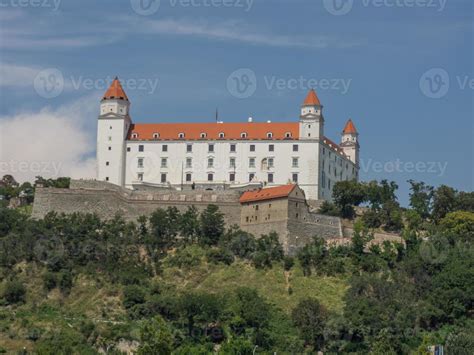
{"points": [[232, 162], [189, 162], [232, 177], [110, 138], [164, 162], [164, 148], [211, 148], [140, 177], [252, 163], [271, 162], [251, 177], [252, 147], [128, 149], [140, 162], [210, 162], [329, 184], [295, 162], [107, 163], [189, 177], [271, 148], [110, 148], [189, 148], [210, 177], [296, 147], [233, 148], [270, 178], [163, 178], [295, 177], [106, 178], [323, 180], [141, 148]]}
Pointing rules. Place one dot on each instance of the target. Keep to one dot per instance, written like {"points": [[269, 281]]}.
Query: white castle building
{"points": [[223, 155]]}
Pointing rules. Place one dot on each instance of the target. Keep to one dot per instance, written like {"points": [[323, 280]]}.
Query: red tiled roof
{"points": [[267, 194], [115, 91], [334, 146], [312, 99], [193, 131], [349, 128]]}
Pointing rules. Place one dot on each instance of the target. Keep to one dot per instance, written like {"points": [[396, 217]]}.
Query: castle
{"points": [[264, 177], [215, 155]]}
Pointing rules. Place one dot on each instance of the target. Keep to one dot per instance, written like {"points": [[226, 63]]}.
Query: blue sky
{"points": [[384, 63]]}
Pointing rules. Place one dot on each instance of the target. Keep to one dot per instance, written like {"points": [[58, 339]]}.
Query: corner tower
{"points": [[112, 129], [350, 142], [311, 118]]}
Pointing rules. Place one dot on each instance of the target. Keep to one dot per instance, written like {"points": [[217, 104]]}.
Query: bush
{"points": [[133, 295], [65, 281], [220, 256], [187, 257], [14, 292], [288, 263], [49, 281], [310, 317]]}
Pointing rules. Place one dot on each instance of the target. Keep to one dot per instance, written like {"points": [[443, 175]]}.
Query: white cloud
{"points": [[15, 75], [50, 143]]}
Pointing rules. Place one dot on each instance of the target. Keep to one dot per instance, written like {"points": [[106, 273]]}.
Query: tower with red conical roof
{"points": [[350, 142], [311, 118], [113, 125]]}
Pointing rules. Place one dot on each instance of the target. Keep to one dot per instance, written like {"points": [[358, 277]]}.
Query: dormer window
{"points": [[243, 135], [221, 135], [181, 135], [269, 135], [288, 135], [203, 135], [156, 135], [134, 135]]}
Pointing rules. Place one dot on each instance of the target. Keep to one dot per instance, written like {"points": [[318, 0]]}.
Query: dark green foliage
{"points": [[220, 256], [59, 183], [212, 225], [14, 292], [310, 318], [421, 197], [155, 337], [49, 281], [268, 250], [253, 310], [329, 209], [240, 243], [133, 295], [288, 263], [347, 194]]}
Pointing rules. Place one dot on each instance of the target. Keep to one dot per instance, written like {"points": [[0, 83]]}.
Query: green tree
{"points": [[309, 316], [189, 225], [421, 198], [14, 292], [156, 338], [212, 225], [444, 201], [347, 194]]}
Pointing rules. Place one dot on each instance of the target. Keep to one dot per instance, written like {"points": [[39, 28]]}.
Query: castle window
{"points": [[295, 178], [232, 178], [110, 138], [251, 177], [164, 148], [270, 163], [232, 162], [252, 147], [247, 219], [156, 135], [295, 162], [211, 148], [110, 148], [134, 135], [141, 148], [270, 180], [309, 134], [140, 162], [210, 177], [189, 177], [296, 147], [323, 180], [140, 177], [256, 207], [269, 135], [271, 148], [288, 135], [107, 163], [189, 148], [163, 178], [106, 178], [243, 135], [210, 162], [128, 149], [164, 162], [221, 135], [189, 163], [233, 148], [203, 135], [181, 135], [251, 162]]}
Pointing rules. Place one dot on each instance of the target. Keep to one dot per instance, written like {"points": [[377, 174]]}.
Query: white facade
{"points": [[127, 156]]}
